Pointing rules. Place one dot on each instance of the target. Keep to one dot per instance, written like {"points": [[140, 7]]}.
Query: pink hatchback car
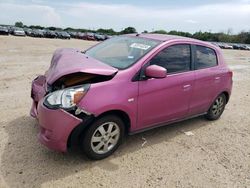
{"points": [[127, 84]]}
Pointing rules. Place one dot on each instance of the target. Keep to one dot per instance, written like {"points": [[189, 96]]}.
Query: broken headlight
{"points": [[66, 98]]}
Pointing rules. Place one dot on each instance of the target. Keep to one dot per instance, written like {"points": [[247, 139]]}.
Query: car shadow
{"points": [[26, 163]]}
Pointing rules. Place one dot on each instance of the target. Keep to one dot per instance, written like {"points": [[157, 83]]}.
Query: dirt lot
{"points": [[217, 155]]}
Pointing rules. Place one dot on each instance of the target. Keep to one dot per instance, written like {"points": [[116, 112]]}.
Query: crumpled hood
{"points": [[68, 60]]}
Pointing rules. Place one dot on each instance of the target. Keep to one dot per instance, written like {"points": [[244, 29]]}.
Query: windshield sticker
{"points": [[130, 57], [140, 46]]}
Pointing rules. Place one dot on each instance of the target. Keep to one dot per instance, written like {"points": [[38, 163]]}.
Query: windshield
{"points": [[122, 52]]}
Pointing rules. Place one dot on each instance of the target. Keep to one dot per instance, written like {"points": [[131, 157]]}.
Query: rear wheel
{"points": [[217, 108], [103, 137]]}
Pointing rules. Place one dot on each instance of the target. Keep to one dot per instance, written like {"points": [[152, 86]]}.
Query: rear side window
{"points": [[205, 57], [175, 58]]}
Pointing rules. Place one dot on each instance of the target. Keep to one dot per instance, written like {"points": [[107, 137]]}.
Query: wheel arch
{"points": [[227, 95], [121, 114], [76, 133]]}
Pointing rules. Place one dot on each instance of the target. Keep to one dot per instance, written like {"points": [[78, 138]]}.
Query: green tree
{"points": [[243, 37], [19, 24], [180, 33], [69, 29], [160, 32], [128, 30], [54, 28], [106, 31], [36, 27], [248, 38]]}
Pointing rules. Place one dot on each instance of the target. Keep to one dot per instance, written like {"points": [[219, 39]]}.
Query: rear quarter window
{"points": [[205, 57]]}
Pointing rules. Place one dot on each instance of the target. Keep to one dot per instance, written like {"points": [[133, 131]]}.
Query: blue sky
{"points": [[190, 16]]}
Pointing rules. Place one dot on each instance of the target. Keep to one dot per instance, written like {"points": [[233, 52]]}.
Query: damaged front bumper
{"points": [[56, 125], [38, 91]]}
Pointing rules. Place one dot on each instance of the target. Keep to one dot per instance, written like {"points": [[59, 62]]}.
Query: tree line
{"points": [[242, 37]]}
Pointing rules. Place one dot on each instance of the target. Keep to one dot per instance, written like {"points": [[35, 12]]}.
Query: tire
{"points": [[103, 137], [217, 108]]}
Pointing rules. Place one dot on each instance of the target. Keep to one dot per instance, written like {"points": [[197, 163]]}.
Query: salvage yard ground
{"points": [[193, 153]]}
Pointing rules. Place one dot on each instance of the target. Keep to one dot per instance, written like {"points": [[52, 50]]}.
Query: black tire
{"points": [[93, 130], [217, 108]]}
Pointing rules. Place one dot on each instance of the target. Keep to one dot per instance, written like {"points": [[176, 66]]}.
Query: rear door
{"points": [[166, 99], [207, 79]]}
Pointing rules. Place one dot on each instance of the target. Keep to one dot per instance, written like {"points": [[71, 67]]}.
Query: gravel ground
{"points": [[217, 155]]}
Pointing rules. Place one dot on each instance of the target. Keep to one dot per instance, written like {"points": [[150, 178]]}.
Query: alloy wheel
{"points": [[105, 137], [218, 106]]}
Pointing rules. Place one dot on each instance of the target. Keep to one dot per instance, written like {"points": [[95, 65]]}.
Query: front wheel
{"points": [[103, 137], [217, 108]]}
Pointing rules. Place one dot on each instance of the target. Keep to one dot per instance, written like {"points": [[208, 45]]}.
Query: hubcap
{"points": [[218, 106], [105, 137]]}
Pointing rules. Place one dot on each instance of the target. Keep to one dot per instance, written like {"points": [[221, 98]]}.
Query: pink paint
{"points": [[155, 71], [147, 103]]}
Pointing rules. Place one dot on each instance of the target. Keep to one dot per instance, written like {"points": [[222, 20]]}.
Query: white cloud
{"points": [[215, 17], [29, 14], [210, 17], [191, 21]]}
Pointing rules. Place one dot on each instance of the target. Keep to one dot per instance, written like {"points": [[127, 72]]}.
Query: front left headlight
{"points": [[66, 98]]}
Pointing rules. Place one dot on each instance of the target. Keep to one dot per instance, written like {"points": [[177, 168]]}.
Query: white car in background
{"points": [[19, 32], [247, 47], [228, 46]]}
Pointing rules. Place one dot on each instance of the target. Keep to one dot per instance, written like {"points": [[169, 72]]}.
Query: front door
{"points": [[166, 99]]}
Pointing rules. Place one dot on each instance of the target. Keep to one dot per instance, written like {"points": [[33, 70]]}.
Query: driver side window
{"points": [[174, 58]]}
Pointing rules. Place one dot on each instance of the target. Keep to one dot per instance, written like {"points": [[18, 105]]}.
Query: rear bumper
{"points": [[55, 127]]}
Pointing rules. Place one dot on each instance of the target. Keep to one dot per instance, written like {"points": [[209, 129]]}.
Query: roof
{"points": [[163, 37]]}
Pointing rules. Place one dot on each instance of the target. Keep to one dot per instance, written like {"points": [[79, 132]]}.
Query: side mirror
{"points": [[155, 71]]}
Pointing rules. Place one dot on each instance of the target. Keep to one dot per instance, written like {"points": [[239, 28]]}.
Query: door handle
{"points": [[217, 79], [186, 86]]}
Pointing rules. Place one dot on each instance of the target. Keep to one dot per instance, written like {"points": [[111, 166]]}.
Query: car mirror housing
{"points": [[155, 71]]}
